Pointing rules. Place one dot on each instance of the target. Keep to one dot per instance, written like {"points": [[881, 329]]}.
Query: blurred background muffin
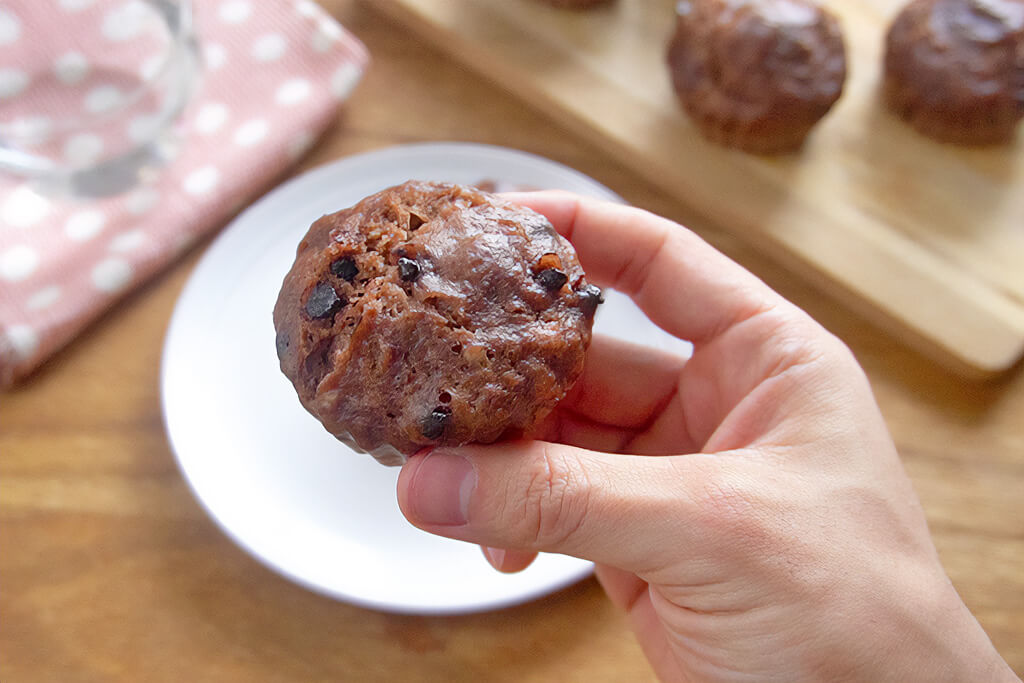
{"points": [[756, 74], [954, 69]]}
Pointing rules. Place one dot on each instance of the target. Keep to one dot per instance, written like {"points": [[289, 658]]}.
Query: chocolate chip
{"points": [[282, 343], [415, 221], [552, 279], [408, 269], [434, 424], [590, 297], [323, 301], [345, 268]]}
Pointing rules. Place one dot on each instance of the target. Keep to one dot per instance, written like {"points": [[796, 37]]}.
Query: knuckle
{"points": [[556, 499]]}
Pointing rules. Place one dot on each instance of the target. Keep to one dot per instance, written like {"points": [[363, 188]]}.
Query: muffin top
{"points": [[766, 57], [960, 55], [432, 314]]}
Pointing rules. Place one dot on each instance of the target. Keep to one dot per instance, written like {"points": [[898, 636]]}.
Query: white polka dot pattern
{"points": [[84, 225], [83, 149], [12, 82], [293, 91], [326, 34], [102, 99], [18, 262], [150, 67], [141, 200], [307, 8], [271, 72], [201, 181], [10, 27], [23, 340], [127, 21], [235, 11], [75, 5], [23, 207], [251, 132], [111, 275], [71, 67], [43, 298], [344, 80], [269, 48], [300, 145], [211, 117], [215, 55], [128, 241], [32, 130]]}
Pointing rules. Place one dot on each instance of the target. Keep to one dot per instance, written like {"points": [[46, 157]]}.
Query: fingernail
{"points": [[441, 487], [496, 556]]}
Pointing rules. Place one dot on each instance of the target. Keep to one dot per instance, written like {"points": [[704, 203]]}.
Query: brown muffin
{"points": [[756, 74], [954, 69], [432, 314]]}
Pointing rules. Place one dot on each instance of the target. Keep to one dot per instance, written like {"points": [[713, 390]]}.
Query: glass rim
{"points": [[181, 37]]}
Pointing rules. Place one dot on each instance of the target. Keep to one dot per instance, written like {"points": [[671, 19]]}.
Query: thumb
{"points": [[535, 496]]}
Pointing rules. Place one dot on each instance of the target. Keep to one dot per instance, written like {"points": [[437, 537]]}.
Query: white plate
{"points": [[272, 477]]}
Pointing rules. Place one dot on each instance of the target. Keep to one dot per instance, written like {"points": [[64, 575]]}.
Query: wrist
{"points": [[973, 656], [909, 625], [947, 643]]}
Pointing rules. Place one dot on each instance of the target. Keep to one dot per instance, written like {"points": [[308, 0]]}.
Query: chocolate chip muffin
{"points": [[756, 74], [954, 69], [432, 314]]}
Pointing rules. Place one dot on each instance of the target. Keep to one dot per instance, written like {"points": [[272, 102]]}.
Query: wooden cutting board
{"points": [[924, 239]]}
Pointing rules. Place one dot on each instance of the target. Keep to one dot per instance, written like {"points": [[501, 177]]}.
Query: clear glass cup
{"points": [[90, 89]]}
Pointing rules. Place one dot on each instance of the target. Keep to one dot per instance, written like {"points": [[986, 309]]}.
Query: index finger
{"points": [[683, 284]]}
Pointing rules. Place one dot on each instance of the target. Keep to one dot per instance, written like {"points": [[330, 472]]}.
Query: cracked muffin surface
{"points": [[432, 314]]}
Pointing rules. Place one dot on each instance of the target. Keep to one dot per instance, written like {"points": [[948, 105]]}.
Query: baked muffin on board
{"points": [[954, 69], [756, 74], [432, 314]]}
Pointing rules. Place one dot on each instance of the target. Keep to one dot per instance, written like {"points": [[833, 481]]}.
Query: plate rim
{"points": [[266, 202]]}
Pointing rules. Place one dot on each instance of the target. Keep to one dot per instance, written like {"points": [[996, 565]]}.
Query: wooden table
{"points": [[110, 570]]}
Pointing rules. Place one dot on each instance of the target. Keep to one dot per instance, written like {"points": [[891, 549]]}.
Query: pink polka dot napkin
{"points": [[274, 73]]}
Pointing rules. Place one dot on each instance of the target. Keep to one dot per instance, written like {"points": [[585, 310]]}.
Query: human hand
{"points": [[773, 535]]}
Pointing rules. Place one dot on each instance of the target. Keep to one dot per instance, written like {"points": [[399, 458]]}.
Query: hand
{"points": [[774, 534]]}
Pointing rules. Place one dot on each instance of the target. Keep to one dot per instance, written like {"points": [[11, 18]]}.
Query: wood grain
{"points": [[111, 572], [924, 239]]}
